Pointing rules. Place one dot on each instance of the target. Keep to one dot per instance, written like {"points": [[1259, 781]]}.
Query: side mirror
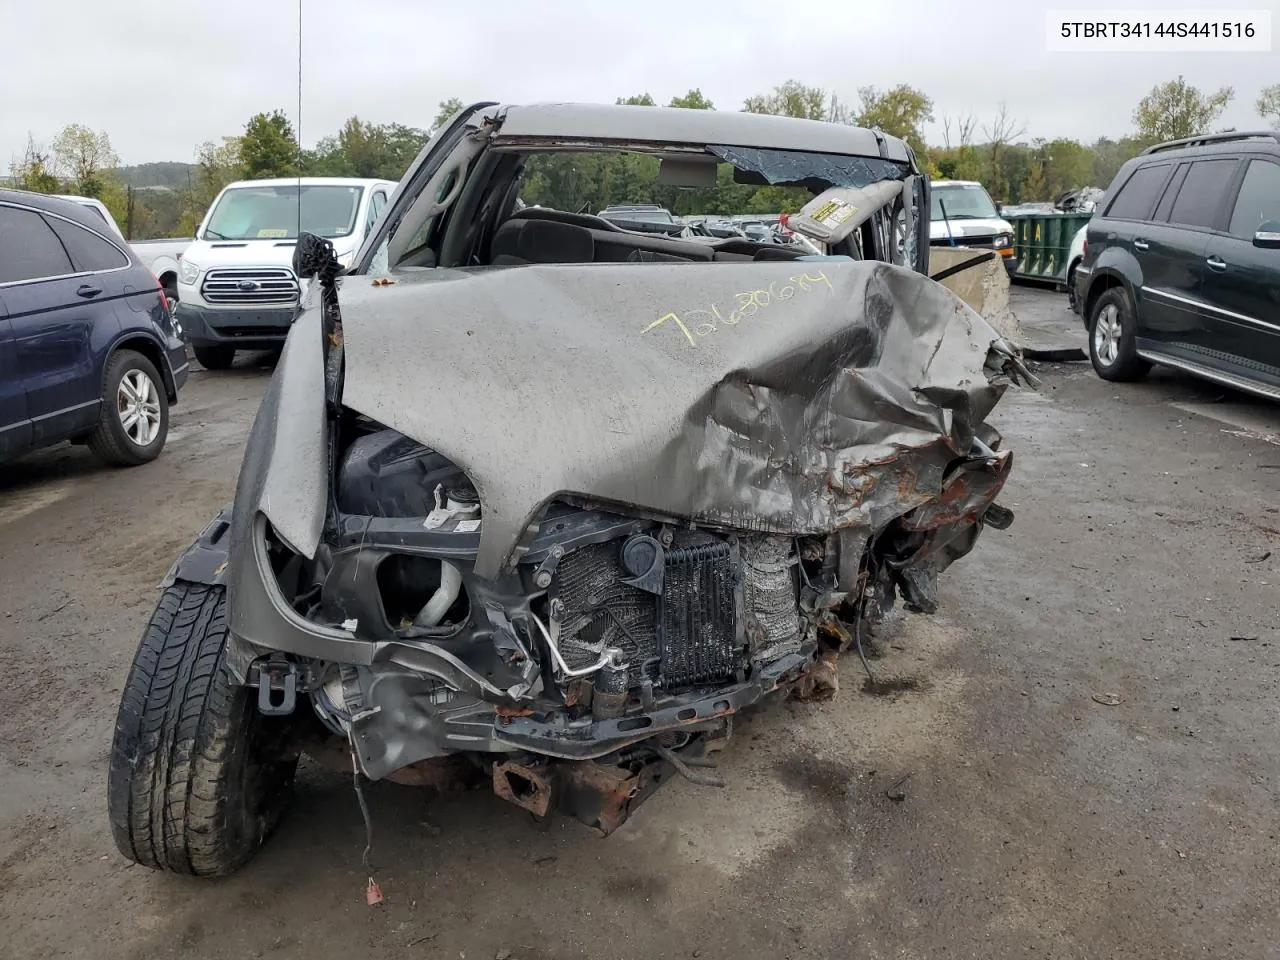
{"points": [[1268, 236]]}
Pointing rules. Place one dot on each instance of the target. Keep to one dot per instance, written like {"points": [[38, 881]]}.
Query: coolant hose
{"points": [[443, 598]]}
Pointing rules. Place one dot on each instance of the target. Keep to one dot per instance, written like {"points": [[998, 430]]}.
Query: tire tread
{"points": [[174, 790]]}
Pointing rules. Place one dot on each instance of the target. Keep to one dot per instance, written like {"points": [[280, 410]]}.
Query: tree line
{"points": [[170, 199]]}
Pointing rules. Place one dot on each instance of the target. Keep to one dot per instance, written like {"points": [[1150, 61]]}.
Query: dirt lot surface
{"points": [[996, 810]]}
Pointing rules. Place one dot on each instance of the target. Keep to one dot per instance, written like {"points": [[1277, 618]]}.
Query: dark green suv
{"points": [[1182, 263]]}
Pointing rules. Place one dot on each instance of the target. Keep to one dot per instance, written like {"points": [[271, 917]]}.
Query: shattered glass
{"points": [[795, 166]]}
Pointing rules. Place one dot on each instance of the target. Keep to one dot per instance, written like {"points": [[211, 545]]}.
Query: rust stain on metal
{"points": [[523, 785], [506, 710], [963, 499], [821, 681], [600, 795]]}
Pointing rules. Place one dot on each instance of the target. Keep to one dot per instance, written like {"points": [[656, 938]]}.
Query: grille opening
{"points": [[250, 286], [406, 583]]}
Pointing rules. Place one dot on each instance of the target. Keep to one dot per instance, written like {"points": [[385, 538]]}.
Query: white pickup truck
{"points": [[236, 285], [162, 257]]}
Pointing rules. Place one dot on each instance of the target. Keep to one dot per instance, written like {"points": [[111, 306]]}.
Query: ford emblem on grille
{"points": [[249, 286]]}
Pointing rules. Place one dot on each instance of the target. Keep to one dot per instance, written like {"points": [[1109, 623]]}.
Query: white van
{"points": [[962, 214], [236, 285]]}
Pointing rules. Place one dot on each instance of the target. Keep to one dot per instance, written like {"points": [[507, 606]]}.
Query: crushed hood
{"points": [[794, 398]]}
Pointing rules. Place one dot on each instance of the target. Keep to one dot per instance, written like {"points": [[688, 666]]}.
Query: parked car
{"points": [[1182, 266], [962, 214], [645, 218], [88, 352], [236, 289], [161, 257], [1075, 256], [549, 501]]}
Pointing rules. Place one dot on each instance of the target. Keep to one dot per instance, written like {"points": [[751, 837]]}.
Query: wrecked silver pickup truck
{"points": [[549, 500]]}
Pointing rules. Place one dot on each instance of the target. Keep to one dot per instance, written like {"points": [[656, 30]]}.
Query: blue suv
{"points": [[88, 349]]}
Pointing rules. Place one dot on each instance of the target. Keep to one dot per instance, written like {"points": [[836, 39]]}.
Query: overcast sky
{"points": [[161, 76]]}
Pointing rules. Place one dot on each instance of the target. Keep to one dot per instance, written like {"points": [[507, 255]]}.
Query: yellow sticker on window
{"points": [[272, 233]]}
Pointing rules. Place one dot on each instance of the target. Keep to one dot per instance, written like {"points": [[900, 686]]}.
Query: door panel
{"points": [[61, 333], [1170, 259], [61, 315], [1174, 267], [1242, 282], [15, 427]]}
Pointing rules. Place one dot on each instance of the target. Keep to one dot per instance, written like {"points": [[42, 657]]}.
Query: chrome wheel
{"points": [[1106, 335], [138, 407]]}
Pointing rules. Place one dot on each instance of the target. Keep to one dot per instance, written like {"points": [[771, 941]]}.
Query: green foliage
{"points": [[366, 150], [1110, 155], [217, 164], [84, 159], [902, 112], [268, 147], [958, 163], [794, 99], [1268, 105], [643, 100], [1176, 109], [35, 170], [693, 100], [445, 111], [39, 179], [164, 174]]}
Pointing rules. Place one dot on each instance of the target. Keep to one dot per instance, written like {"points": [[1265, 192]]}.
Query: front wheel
{"points": [[1112, 338], [199, 778], [215, 357]]}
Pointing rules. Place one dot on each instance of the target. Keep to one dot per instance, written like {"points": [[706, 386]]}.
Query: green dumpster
{"points": [[1041, 242]]}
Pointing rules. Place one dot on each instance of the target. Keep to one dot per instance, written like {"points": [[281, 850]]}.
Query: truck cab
{"points": [[236, 285]]}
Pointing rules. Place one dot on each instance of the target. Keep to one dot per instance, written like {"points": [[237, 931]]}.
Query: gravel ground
{"points": [[991, 808]]}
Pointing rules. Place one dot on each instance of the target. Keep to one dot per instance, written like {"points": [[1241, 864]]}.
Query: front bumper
{"points": [[1011, 265], [1080, 284], [250, 329], [392, 688]]}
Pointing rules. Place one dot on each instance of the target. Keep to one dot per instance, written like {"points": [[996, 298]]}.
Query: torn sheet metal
{"points": [[797, 398]]}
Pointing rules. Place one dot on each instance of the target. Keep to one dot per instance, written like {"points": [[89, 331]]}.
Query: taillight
{"points": [[1085, 249]]}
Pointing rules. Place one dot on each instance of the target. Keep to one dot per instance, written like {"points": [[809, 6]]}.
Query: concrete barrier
{"points": [[984, 287]]}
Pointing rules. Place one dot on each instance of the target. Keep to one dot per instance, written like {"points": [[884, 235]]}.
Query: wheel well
{"points": [[151, 350], [169, 280], [1097, 289]]}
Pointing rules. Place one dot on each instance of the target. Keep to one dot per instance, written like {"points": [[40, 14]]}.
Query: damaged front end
{"points": [[547, 541]]}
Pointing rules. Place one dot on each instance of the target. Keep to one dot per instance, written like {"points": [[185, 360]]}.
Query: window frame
{"points": [[371, 217], [129, 260], [1238, 184], [93, 233], [1229, 190], [1169, 167]]}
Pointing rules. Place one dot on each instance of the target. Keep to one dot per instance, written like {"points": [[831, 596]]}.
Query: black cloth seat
{"points": [[541, 241]]}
